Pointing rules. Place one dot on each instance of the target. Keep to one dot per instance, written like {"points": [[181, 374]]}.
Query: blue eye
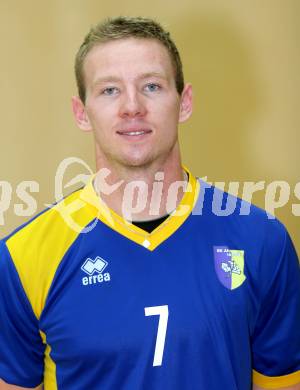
{"points": [[153, 87], [109, 91]]}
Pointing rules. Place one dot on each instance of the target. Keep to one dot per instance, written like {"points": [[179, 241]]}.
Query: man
{"points": [[180, 298]]}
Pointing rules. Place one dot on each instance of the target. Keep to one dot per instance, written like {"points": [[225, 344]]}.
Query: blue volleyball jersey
{"points": [[90, 301]]}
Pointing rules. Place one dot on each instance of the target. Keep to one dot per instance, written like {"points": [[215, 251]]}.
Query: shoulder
{"points": [[50, 222], [37, 247], [269, 255], [221, 206], [235, 222]]}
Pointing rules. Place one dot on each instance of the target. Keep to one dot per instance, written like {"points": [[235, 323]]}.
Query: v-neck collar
{"points": [[151, 240]]}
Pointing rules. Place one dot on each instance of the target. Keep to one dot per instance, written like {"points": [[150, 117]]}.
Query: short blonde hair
{"points": [[126, 27]]}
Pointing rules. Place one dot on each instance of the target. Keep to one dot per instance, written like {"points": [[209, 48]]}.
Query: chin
{"points": [[136, 161]]}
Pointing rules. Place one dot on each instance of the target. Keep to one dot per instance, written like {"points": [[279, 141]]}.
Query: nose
{"points": [[132, 105]]}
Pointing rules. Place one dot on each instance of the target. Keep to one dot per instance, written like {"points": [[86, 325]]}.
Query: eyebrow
{"points": [[143, 76]]}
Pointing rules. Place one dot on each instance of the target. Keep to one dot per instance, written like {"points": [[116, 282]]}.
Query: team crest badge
{"points": [[229, 266]]}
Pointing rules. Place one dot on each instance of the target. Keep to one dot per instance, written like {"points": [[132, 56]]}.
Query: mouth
{"points": [[134, 133]]}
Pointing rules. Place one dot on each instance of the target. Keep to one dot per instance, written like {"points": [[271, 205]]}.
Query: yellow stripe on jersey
{"points": [[38, 248], [276, 382], [50, 382]]}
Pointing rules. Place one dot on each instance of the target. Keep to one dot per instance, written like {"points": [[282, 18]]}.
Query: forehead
{"points": [[127, 58]]}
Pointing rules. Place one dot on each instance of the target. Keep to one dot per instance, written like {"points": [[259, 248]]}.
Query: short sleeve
{"points": [[21, 346], [276, 338]]}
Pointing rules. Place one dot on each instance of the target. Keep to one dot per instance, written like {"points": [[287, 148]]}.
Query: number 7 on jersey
{"points": [[163, 313]]}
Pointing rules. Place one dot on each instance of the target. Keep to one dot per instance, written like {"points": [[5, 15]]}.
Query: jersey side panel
{"points": [[50, 382], [36, 251]]}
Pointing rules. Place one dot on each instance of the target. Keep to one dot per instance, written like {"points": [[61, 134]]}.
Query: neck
{"points": [[141, 193]]}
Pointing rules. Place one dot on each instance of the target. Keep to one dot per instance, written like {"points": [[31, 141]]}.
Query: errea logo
{"points": [[94, 268]]}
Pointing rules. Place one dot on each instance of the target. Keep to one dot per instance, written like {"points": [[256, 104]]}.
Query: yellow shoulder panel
{"points": [[39, 246]]}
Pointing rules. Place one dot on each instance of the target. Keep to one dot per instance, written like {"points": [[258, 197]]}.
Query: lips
{"points": [[134, 132]]}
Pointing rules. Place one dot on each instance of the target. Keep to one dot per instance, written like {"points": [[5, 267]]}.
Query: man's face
{"points": [[132, 104]]}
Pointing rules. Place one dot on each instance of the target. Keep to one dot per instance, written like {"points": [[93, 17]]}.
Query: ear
{"points": [[186, 103], [80, 114]]}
